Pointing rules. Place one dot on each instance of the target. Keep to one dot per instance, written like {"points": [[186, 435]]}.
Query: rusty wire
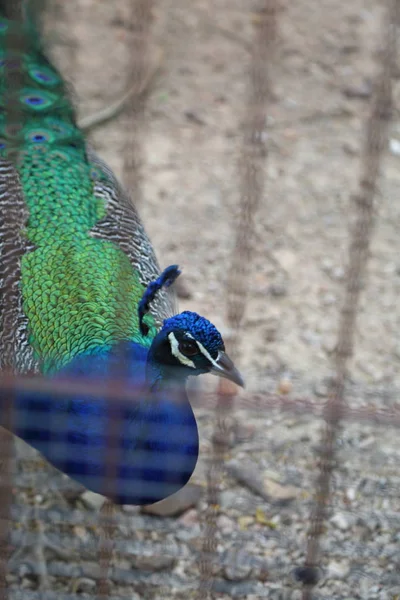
{"points": [[251, 168], [376, 132], [139, 42], [140, 60]]}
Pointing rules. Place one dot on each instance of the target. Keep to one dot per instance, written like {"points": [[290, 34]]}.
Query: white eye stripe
{"points": [[184, 360], [207, 354]]}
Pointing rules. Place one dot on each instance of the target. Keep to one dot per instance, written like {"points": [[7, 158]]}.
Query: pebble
{"points": [[270, 330], [278, 290], [310, 337], [338, 273], [280, 493], [362, 91], [341, 521], [153, 562], [245, 521], [229, 499], [394, 146], [350, 148], [338, 570], [285, 386], [329, 343], [328, 299], [226, 525], [323, 387], [83, 585], [271, 491], [92, 500], [237, 565], [190, 518]]}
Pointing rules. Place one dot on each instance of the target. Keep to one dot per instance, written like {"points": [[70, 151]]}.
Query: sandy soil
{"points": [[322, 84]]}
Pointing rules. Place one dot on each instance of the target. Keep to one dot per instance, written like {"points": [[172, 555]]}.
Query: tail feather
{"points": [[21, 10], [11, 9], [35, 107]]}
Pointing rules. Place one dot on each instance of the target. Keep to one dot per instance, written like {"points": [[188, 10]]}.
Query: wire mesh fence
{"points": [[275, 509]]}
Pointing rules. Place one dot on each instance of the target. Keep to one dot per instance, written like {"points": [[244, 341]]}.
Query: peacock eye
{"points": [[188, 347]]}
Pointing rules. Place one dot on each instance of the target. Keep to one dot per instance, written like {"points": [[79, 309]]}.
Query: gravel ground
{"points": [[326, 59]]}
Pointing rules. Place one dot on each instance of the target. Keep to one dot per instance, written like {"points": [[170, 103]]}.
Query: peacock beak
{"points": [[224, 367]]}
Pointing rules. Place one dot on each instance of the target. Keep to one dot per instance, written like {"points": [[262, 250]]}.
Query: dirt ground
{"points": [[322, 84], [192, 134]]}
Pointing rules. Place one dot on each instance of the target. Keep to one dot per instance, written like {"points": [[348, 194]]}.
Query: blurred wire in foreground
{"points": [[251, 186], [376, 132]]}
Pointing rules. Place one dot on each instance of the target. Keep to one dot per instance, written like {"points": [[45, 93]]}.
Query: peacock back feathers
{"points": [[81, 296], [85, 257]]}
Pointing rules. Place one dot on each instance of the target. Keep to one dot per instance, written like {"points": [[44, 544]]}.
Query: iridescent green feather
{"points": [[80, 294]]}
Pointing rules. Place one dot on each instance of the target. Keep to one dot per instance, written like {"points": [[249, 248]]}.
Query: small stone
{"points": [[328, 299], [311, 338], [153, 562], [245, 521], [327, 265], [270, 330], [351, 494], [341, 521], [350, 149], [284, 387], [92, 500], [237, 565], [242, 432], [362, 91], [280, 493], [397, 351], [265, 487], [176, 504], [189, 518], [338, 273], [83, 585], [329, 344], [228, 499], [225, 525], [323, 387], [192, 116], [337, 570], [394, 146], [278, 290], [81, 533]]}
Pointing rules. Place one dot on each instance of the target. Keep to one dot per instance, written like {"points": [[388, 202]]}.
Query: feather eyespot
{"points": [[34, 100], [188, 348], [37, 100], [39, 136], [44, 76]]}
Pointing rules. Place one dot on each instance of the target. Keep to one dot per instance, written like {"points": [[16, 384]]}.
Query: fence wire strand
{"points": [[251, 169], [376, 139]]}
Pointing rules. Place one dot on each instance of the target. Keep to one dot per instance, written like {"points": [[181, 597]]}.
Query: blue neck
{"points": [[154, 437], [164, 377]]}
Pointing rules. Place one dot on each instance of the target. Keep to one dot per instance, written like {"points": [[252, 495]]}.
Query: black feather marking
{"points": [[166, 279]]}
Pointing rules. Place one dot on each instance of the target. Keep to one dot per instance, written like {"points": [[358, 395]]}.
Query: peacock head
{"points": [[187, 343]]}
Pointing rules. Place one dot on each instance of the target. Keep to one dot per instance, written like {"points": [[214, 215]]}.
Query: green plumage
{"points": [[77, 272], [79, 293]]}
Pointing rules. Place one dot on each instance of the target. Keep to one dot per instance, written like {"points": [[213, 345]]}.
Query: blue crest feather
{"points": [[167, 278]]}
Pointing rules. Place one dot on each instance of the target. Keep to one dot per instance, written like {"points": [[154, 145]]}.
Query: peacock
{"points": [[83, 299]]}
